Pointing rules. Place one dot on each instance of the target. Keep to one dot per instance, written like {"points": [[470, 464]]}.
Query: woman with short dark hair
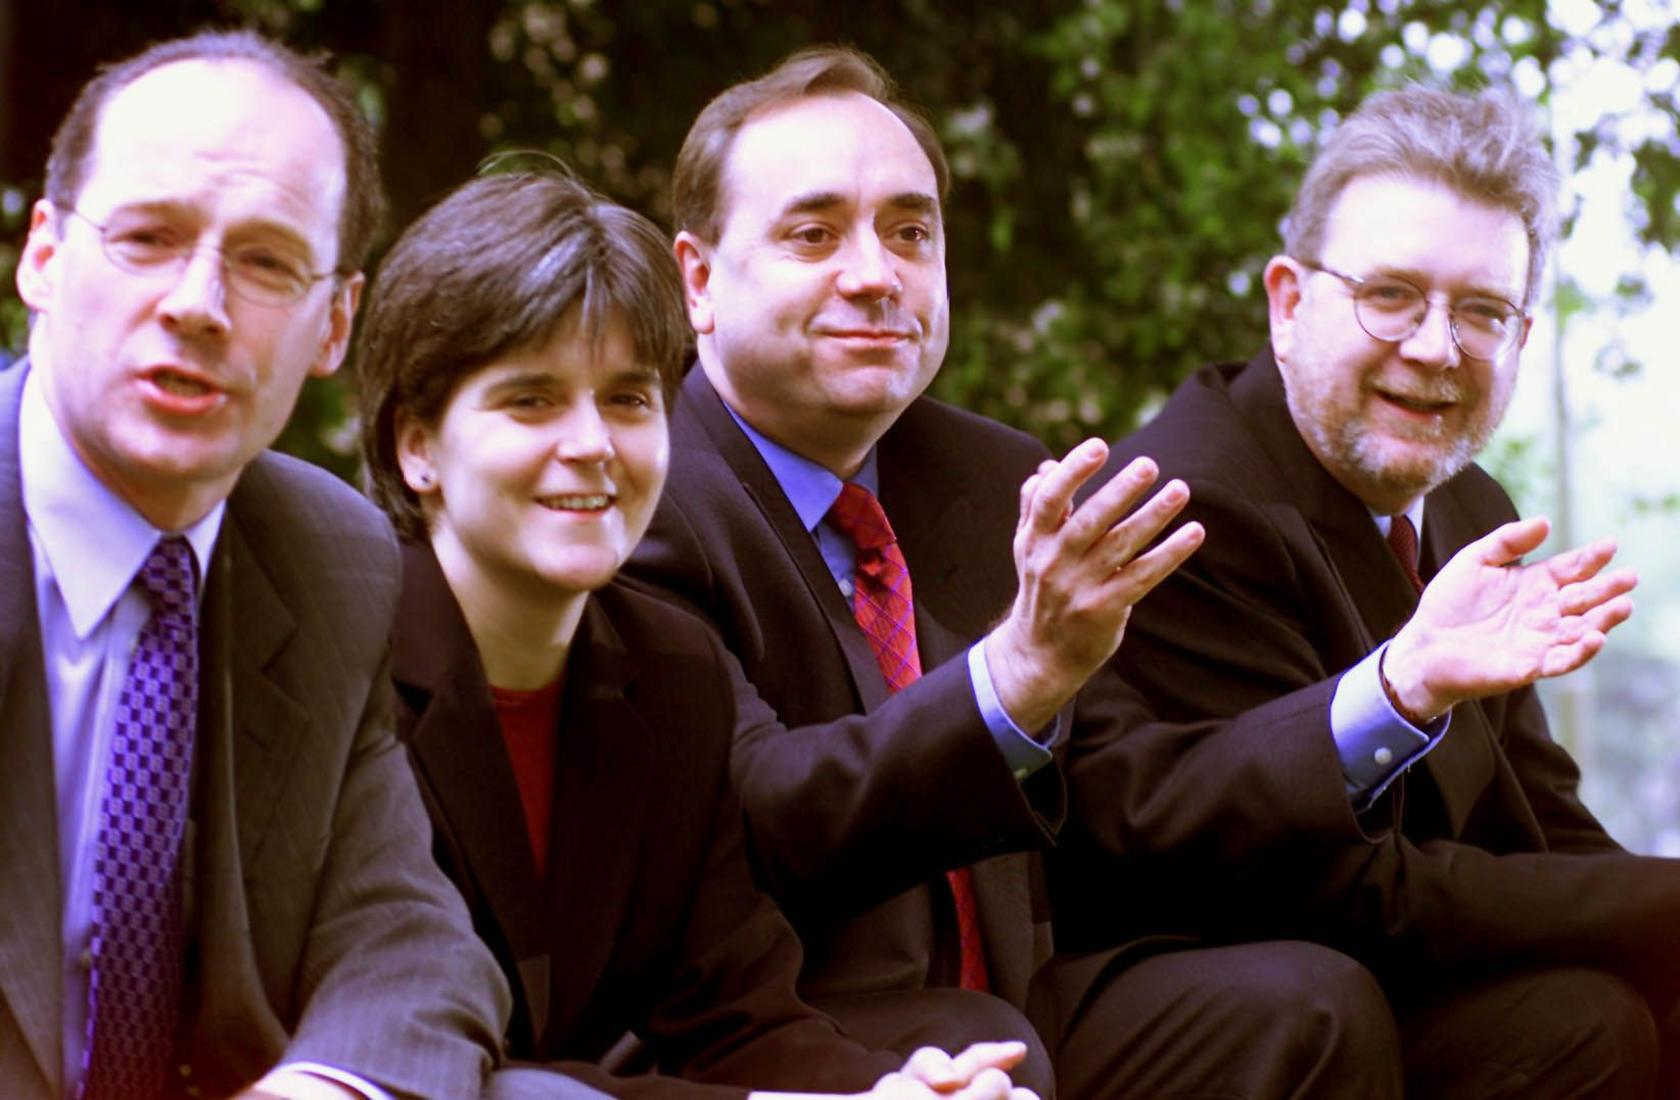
{"points": [[571, 736]]}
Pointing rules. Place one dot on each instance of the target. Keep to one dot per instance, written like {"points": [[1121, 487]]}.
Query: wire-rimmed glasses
{"points": [[260, 272], [1391, 309]]}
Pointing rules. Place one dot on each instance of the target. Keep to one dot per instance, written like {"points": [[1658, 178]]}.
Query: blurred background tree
{"points": [[1121, 167]]}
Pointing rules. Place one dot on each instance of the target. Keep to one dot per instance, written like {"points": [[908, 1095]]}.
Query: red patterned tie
{"points": [[1403, 540], [884, 608]]}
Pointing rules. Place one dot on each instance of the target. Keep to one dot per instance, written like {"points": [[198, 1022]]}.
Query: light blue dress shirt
{"points": [[87, 545], [1373, 742], [812, 489], [1376, 744]]}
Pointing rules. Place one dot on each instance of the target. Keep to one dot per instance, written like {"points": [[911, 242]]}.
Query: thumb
{"points": [[1504, 545], [998, 1055]]}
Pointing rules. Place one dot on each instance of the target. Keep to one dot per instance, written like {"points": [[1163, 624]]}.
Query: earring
{"points": [[425, 480]]}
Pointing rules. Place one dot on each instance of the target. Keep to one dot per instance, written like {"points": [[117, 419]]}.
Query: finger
{"points": [[1607, 616], [1140, 575], [1567, 658], [896, 1086], [1053, 497], [1580, 598], [1029, 491], [988, 1084], [1002, 1055], [1109, 505], [1144, 525], [1505, 544], [934, 1067], [1582, 562]]}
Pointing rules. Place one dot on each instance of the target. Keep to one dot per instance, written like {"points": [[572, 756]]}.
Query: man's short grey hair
{"points": [[1486, 146]]}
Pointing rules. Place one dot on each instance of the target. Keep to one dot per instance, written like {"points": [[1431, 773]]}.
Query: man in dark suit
{"points": [[901, 690], [215, 862], [1513, 938]]}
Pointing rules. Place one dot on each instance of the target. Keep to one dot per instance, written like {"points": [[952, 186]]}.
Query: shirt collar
{"points": [[811, 488], [1414, 513], [94, 542]]}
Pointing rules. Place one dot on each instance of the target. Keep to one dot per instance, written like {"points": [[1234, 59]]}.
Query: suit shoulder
{"points": [[1208, 435], [960, 450], [329, 530], [304, 493], [933, 417]]}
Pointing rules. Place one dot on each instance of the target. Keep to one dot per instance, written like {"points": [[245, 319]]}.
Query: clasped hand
{"points": [[979, 1073], [1487, 624]]}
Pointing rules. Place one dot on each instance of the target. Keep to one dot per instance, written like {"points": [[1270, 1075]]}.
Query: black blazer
{"points": [[857, 799], [648, 920], [1490, 858]]}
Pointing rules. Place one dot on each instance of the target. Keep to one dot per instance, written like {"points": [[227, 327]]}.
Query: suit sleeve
{"points": [[846, 813], [394, 985]]}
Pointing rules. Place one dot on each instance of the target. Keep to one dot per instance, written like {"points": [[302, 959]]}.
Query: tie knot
{"points": [[859, 517], [167, 577]]}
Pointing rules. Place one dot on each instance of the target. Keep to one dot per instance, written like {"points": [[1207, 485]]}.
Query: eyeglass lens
{"points": [[1393, 309]]}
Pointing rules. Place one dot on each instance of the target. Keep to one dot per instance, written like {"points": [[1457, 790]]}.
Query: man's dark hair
{"points": [[364, 201], [494, 268], [697, 197]]}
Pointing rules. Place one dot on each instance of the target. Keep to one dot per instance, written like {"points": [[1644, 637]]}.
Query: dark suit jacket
{"points": [[1494, 860], [648, 919], [856, 799], [321, 929]]}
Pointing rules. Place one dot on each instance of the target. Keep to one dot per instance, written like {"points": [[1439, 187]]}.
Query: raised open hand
{"points": [[1487, 625], [1080, 572]]}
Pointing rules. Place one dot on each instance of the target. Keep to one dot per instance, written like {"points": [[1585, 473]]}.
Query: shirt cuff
{"points": [[1373, 741], [1024, 753], [307, 1081]]}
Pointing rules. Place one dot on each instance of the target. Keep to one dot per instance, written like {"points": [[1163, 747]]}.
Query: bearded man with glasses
{"points": [[1362, 603]]}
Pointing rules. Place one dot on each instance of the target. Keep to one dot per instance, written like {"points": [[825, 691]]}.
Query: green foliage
{"points": [[1120, 167]]}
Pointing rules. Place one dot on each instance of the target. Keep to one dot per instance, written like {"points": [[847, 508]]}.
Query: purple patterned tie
{"points": [[134, 988]]}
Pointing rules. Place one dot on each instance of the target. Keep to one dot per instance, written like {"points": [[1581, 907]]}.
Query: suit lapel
{"points": [[258, 718], [599, 804], [30, 931], [931, 518], [1376, 587], [460, 759], [701, 401], [1463, 763], [239, 760]]}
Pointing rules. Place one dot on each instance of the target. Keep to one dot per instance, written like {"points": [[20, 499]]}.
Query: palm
{"points": [[1487, 624]]}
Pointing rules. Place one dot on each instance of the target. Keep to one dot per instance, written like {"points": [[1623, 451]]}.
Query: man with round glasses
{"points": [[1521, 950]]}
